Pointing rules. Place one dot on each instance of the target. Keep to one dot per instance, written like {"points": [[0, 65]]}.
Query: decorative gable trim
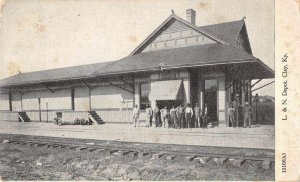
{"points": [[169, 20], [243, 28]]}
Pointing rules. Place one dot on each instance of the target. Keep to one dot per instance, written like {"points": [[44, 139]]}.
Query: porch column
{"points": [[201, 93], [243, 85], [90, 100], [21, 100], [249, 93], [136, 96], [10, 101], [221, 101], [228, 90], [187, 90]]}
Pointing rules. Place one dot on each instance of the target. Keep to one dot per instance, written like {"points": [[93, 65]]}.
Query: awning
{"points": [[166, 90]]}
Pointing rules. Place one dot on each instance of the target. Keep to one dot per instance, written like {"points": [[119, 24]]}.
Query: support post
{"points": [[40, 114], [90, 100], [10, 100], [21, 101]]}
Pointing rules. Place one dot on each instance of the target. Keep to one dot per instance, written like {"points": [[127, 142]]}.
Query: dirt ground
{"points": [[22, 162]]}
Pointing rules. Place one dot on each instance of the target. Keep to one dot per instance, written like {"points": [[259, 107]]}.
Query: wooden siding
{"points": [[109, 97], [60, 99], [16, 101], [177, 35], [81, 99], [242, 41], [9, 116], [4, 102]]}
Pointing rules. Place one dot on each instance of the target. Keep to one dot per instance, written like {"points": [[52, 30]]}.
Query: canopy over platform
{"points": [[211, 55], [236, 62], [166, 90]]}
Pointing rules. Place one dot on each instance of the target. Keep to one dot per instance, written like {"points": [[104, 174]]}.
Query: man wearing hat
{"points": [[165, 117], [247, 115], [188, 115], [231, 115], [179, 112], [136, 114], [149, 114]]}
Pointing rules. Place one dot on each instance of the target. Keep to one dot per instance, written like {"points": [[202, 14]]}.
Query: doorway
{"points": [[211, 100]]}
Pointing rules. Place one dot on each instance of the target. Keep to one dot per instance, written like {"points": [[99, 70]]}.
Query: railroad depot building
{"points": [[178, 63]]}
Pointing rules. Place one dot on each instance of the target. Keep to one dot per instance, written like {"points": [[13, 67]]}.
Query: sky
{"points": [[45, 34]]}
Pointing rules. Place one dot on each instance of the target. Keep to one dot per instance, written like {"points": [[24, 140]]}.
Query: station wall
{"points": [[16, 101], [4, 102], [110, 97], [59, 100], [81, 99]]}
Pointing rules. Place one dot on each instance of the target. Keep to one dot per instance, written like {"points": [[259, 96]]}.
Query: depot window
{"points": [[144, 95]]}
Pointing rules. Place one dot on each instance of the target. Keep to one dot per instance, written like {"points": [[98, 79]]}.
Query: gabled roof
{"points": [[228, 31], [171, 18], [201, 55], [59, 74]]}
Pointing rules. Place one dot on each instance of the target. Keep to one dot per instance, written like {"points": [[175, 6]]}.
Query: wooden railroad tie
{"points": [[171, 157], [203, 159], [220, 160], [157, 156], [266, 164], [133, 154], [190, 158], [142, 154], [81, 148], [236, 162]]}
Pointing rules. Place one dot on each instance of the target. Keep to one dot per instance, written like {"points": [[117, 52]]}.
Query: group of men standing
{"points": [[187, 117], [176, 117], [234, 116]]}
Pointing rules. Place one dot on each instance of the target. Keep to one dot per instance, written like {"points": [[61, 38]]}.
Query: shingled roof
{"points": [[59, 74], [200, 55], [228, 31]]}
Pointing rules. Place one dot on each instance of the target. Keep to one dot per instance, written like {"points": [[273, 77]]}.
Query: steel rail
{"points": [[147, 149]]}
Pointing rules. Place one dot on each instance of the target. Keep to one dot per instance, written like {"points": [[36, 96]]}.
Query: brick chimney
{"points": [[191, 16]]}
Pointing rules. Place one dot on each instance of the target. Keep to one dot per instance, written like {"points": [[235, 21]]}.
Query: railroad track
{"points": [[219, 155]]}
